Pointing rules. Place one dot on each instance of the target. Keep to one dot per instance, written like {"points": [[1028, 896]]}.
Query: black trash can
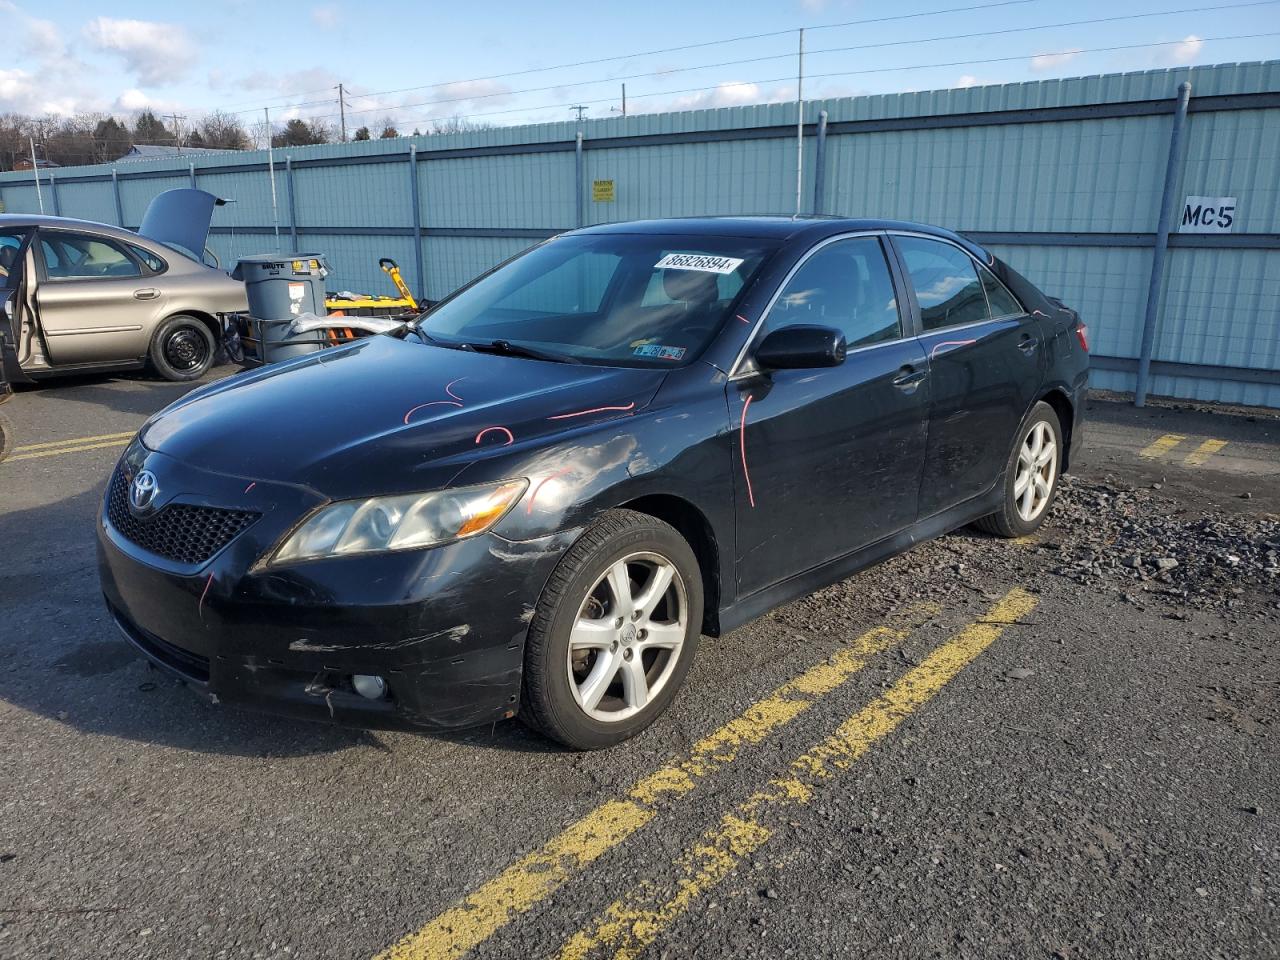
{"points": [[281, 287]]}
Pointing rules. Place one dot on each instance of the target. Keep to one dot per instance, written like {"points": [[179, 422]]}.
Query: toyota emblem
{"points": [[142, 493]]}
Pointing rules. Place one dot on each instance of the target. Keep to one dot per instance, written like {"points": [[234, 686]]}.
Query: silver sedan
{"points": [[82, 296]]}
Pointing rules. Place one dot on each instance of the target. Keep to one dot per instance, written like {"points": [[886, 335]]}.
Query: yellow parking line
{"points": [[61, 450], [539, 874], [635, 921], [74, 442], [1203, 452], [1161, 446]]}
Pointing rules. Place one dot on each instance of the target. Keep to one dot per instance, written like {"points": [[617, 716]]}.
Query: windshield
{"points": [[614, 299]]}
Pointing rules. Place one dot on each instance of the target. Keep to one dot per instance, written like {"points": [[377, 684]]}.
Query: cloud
{"points": [[1050, 61], [312, 83], [967, 81], [813, 6], [155, 53], [43, 39], [1187, 50], [15, 85], [326, 17], [133, 100], [734, 93]]}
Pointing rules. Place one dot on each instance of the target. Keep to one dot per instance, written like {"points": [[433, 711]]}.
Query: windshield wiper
{"points": [[507, 348]]}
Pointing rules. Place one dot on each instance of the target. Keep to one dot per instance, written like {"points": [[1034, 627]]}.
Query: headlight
{"points": [[406, 522]]}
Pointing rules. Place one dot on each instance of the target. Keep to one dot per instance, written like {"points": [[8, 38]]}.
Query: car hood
{"points": [[388, 416], [180, 218]]}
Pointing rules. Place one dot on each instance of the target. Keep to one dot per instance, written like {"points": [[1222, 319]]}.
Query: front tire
{"points": [[182, 349], [613, 634], [1031, 476], [6, 436]]}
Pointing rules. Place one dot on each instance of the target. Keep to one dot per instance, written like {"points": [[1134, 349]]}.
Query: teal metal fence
{"points": [[1062, 178]]}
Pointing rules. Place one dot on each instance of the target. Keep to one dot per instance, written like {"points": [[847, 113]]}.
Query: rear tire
{"points": [[182, 349], [1030, 476], [614, 632]]}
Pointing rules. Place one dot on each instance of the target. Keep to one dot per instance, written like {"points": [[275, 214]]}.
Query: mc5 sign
{"points": [[1208, 215]]}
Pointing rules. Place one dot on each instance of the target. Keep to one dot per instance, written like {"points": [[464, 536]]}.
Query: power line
{"points": [[649, 53], [786, 56], [847, 73]]}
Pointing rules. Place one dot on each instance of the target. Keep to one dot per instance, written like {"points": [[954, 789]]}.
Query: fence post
{"points": [[1162, 244], [419, 272], [577, 179], [53, 189], [293, 207], [820, 163], [191, 172], [115, 188]]}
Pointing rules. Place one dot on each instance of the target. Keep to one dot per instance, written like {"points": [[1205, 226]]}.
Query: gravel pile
{"points": [[1108, 531]]}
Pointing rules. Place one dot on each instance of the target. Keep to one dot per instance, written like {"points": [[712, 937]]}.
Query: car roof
{"points": [[68, 223], [772, 227]]}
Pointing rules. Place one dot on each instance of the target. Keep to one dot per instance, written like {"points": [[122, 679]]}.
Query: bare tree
{"points": [[458, 124], [223, 131]]}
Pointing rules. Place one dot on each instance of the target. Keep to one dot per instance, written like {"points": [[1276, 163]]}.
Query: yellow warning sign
{"points": [[602, 191]]}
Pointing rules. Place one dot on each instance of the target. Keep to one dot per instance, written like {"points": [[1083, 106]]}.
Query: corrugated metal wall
{"points": [[1062, 178]]}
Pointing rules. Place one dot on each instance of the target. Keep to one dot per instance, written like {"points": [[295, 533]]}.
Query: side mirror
{"points": [[801, 347]]}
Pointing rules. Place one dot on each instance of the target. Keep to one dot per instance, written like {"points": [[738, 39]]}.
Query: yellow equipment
{"points": [[377, 306], [392, 270]]}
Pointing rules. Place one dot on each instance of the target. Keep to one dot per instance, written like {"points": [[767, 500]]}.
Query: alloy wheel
{"points": [[1037, 470], [626, 641]]}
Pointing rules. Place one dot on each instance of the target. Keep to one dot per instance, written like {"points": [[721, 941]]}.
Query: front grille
{"points": [[181, 532]]}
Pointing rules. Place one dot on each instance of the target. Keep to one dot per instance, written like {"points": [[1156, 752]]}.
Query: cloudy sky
{"points": [[415, 62]]}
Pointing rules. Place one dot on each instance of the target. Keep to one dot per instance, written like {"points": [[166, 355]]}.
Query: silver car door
{"points": [[95, 301]]}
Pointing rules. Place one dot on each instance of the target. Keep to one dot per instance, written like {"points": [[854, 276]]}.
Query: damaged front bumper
{"points": [[443, 627]]}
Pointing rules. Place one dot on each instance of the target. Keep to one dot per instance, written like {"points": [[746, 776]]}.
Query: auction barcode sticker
{"points": [[698, 261]]}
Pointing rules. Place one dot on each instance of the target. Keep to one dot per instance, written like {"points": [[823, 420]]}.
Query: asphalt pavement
{"points": [[1058, 747]]}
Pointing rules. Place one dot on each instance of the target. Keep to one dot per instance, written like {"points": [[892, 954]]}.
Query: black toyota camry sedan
{"points": [[537, 498]]}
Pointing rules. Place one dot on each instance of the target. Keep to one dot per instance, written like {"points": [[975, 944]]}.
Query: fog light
{"points": [[368, 686]]}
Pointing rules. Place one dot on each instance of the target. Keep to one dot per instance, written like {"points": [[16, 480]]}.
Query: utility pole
{"points": [[581, 108], [342, 112], [35, 171], [177, 128], [623, 111], [271, 171], [800, 122]]}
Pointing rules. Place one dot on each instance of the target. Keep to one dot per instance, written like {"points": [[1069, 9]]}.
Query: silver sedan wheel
{"points": [[627, 639], [1037, 471]]}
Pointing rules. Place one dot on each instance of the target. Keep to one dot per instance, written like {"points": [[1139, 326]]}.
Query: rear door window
{"points": [[154, 263], [945, 281], [999, 299], [845, 285], [78, 256]]}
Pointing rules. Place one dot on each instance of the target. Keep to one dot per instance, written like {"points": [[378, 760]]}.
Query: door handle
{"points": [[146, 293], [909, 378], [1027, 344]]}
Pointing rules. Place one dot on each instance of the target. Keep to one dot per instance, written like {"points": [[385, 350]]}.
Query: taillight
{"points": [[1082, 334]]}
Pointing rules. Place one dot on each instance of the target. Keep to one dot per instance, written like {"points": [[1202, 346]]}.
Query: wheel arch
{"points": [[208, 319], [1065, 409], [692, 524]]}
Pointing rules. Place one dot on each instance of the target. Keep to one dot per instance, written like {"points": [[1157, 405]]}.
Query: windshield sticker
{"points": [[698, 261], [656, 351]]}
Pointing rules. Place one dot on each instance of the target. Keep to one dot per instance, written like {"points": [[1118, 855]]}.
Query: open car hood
{"points": [[180, 218]]}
